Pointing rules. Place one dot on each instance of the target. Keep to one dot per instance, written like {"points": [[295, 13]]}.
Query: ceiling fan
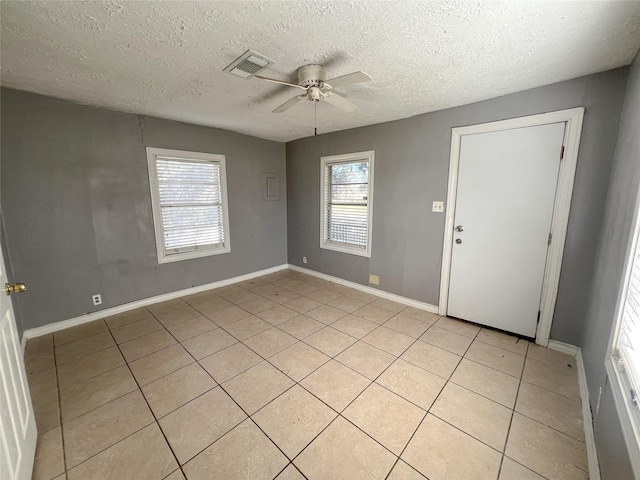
{"points": [[313, 80]]}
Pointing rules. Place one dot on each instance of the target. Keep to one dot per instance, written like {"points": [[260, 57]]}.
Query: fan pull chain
{"points": [[315, 118]]}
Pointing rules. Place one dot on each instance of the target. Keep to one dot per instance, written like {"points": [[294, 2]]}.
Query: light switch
{"points": [[438, 207]]}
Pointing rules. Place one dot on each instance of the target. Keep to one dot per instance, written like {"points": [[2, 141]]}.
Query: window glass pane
{"points": [[351, 193], [347, 203], [354, 172]]}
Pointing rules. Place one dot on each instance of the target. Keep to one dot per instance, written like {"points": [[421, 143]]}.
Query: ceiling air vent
{"points": [[248, 64]]}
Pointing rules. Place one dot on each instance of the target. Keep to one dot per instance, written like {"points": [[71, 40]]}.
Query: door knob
{"points": [[459, 228], [17, 288]]}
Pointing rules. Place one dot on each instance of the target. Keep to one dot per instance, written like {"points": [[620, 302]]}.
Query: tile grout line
{"points": [[108, 447], [334, 357], [180, 465], [298, 383], [139, 389], [64, 450], [544, 388], [197, 361], [231, 429], [148, 406], [513, 412], [159, 350], [340, 413], [249, 417], [525, 467], [429, 409], [298, 340]]}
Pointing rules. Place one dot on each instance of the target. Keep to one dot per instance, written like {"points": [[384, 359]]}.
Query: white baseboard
{"points": [[363, 288], [90, 317], [587, 418], [564, 347], [589, 438]]}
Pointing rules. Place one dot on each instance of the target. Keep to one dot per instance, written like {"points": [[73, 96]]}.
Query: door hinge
{"points": [[562, 152], [549, 239], [538, 320]]}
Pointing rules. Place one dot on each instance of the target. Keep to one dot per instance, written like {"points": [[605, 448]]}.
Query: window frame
{"points": [[163, 257], [621, 383], [325, 161]]}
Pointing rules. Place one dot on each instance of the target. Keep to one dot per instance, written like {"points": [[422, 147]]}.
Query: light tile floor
{"points": [[289, 377]]}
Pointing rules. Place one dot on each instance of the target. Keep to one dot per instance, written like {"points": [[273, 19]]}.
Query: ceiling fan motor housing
{"points": [[312, 75]]}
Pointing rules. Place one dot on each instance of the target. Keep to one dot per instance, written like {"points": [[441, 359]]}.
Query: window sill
{"points": [[176, 257], [627, 413], [346, 249]]}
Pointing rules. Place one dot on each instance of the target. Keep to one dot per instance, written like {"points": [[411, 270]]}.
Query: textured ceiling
{"points": [[165, 58]]}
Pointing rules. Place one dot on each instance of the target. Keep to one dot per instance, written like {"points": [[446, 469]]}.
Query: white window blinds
{"points": [[627, 348], [189, 202], [346, 204]]}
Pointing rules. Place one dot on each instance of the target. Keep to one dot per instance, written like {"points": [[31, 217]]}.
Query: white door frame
{"points": [[573, 117]]}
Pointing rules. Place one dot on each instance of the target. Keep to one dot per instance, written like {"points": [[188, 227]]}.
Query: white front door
{"points": [[504, 206], [18, 432]]}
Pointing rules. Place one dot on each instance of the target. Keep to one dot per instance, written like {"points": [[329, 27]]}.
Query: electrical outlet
{"points": [[97, 299], [374, 279], [438, 207], [304, 259]]}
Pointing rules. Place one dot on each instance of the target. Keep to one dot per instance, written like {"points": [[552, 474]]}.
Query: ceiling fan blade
{"points": [[289, 103], [349, 79], [272, 80], [340, 102]]}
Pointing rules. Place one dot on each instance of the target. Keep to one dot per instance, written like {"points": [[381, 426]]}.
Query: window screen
{"points": [[189, 204], [346, 203]]}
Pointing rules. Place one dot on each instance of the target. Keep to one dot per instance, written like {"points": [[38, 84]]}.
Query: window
{"points": [[623, 365], [627, 349], [189, 199], [347, 202]]}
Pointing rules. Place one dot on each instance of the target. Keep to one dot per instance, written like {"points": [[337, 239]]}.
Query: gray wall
{"points": [[612, 452], [411, 171], [75, 195], [614, 237]]}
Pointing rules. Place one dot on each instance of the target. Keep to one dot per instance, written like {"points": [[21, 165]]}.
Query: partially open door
{"points": [[18, 434]]}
